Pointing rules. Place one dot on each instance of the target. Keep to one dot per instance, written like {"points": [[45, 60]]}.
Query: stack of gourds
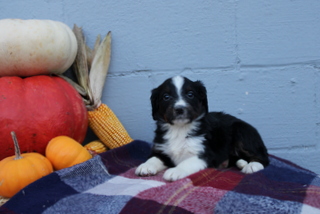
{"points": [[41, 110], [36, 103]]}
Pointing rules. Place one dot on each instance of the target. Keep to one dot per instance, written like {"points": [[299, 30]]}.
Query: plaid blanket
{"points": [[107, 184]]}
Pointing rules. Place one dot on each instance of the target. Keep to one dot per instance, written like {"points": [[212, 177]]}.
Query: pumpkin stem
{"points": [[16, 146]]}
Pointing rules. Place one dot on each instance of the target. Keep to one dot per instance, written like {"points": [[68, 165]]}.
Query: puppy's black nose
{"points": [[179, 110]]}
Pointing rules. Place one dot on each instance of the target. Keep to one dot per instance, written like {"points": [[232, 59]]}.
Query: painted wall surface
{"points": [[260, 60]]}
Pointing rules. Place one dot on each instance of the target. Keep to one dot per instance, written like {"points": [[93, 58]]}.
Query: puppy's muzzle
{"points": [[180, 112]]}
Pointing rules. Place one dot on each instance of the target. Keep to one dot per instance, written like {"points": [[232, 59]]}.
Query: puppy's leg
{"points": [[151, 167], [249, 146], [185, 168]]}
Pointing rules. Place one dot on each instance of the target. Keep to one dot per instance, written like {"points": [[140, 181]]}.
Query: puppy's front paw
{"points": [[146, 169], [174, 174], [151, 167], [252, 167]]}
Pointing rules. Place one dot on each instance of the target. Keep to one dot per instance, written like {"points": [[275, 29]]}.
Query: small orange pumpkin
{"points": [[63, 152], [17, 171]]}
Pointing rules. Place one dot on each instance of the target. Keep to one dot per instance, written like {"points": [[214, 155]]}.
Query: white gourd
{"points": [[34, 47]]}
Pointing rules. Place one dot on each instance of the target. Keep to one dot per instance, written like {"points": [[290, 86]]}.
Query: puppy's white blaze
{"points": [[179, 144], [181, 103], [185, 168], [178, 83], [252, 167], [151, 167]]}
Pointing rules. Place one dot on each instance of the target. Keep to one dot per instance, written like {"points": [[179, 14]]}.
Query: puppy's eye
{"points": [[190, 94], [166, 97]]}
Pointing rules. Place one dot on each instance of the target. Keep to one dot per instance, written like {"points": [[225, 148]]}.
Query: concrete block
{"points": [[284, 32], [156, 35]]}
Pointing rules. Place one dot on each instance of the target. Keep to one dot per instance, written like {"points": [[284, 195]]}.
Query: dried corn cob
{"points": [[95, 147], [102, 120], [107, 127]]}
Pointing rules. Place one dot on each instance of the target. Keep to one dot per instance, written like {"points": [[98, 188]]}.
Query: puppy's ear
{"points": [[202, 91], [155, 103]]}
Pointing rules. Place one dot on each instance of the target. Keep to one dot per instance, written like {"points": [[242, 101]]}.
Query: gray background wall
{"points": [[260, 60]]}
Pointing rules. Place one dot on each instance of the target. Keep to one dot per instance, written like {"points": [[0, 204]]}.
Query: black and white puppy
{"points": [[188, 138]]}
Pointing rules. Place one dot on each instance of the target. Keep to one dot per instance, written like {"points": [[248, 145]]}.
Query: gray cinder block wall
{"points": [[260, 60]]}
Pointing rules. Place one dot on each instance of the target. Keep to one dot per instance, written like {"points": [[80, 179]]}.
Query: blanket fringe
{"points": [[3, 200]]}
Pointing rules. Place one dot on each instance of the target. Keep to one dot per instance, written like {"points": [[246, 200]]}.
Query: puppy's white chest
{"points": [[180, 146], [181, 149]]}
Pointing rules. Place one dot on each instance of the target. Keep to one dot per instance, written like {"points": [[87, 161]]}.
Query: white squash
{"points": [[34, 47]]}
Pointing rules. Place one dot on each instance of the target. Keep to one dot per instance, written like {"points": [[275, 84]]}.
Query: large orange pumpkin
{"points": [[39, 108]]}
